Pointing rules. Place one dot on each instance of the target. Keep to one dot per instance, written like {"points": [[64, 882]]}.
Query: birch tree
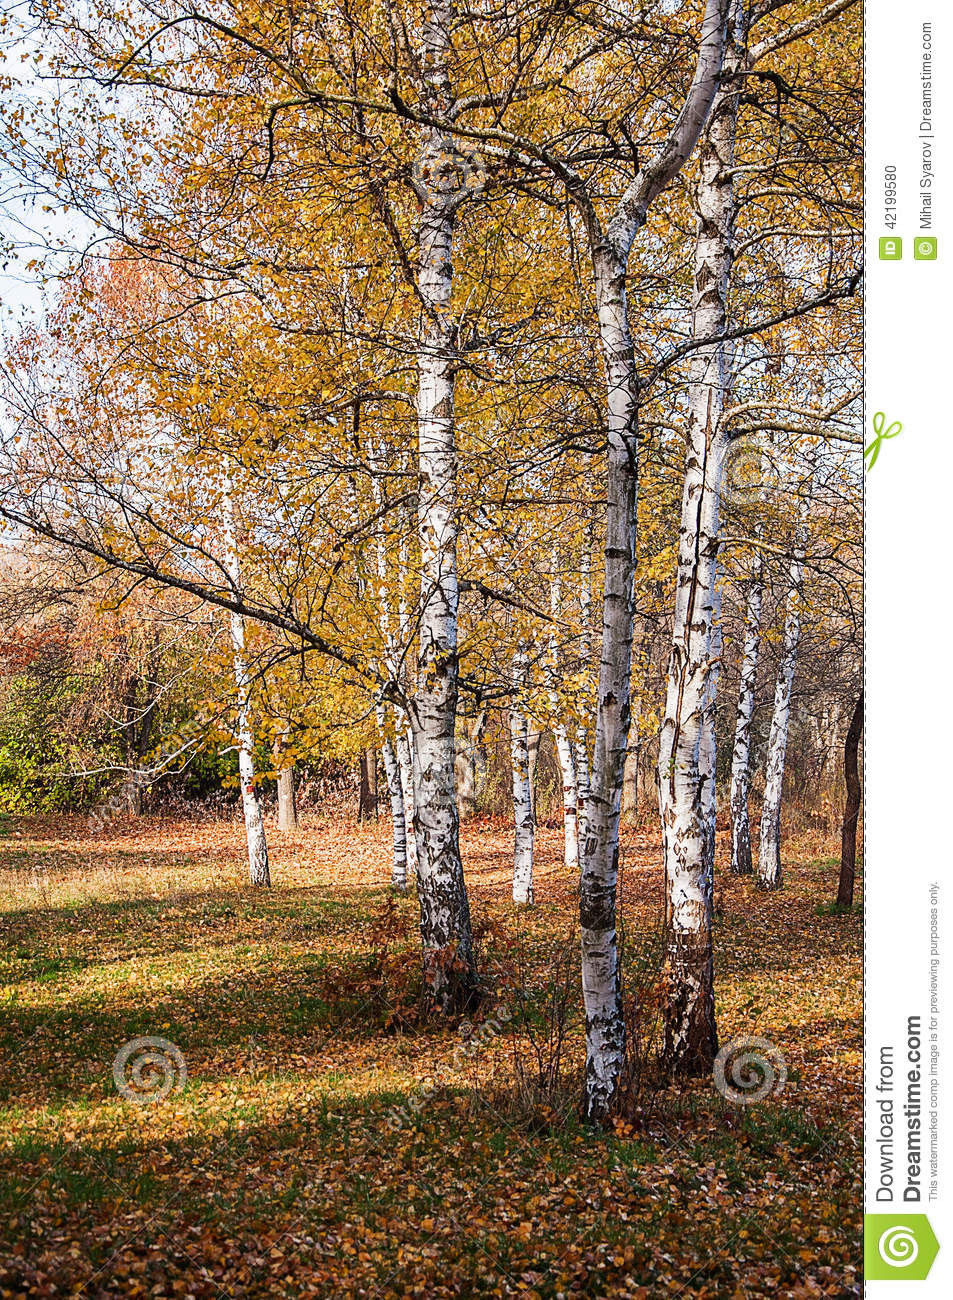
{"points": [[848, 854], [287, 803], [403, 731], [396, 796], [686, 749], [610, 247], [258, 871], [390, 628], [580, 746], [685, 787], [523, 818], [338, 102], [769, 875], [741, 750], [442, 188], [708, 749], [564, 748]]}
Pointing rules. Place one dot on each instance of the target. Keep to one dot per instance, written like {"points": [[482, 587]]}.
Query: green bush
{"points": [[38, 757]]}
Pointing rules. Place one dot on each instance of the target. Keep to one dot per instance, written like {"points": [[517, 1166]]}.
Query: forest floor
{"points": [[325, 1142]]}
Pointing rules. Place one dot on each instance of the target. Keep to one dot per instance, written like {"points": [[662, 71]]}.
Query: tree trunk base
{"points": [[848, 855], [451, 981], [600, 1092], [260, 876], [287, 806], [690, 1037], [742, 863]]}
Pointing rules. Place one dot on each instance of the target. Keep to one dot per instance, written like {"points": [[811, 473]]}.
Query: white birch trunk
{"points": [[404, 742], [287, 806], [685, 770], [580, 744], [392, 772], [580, 753], [258, 870], [609, 252], [688, 1016], [605, 1026], [741, 752], [467, 776], [404, 734], [708, 752], [769, 849], [567, 768], [564, 751], [396, 795], [524, 821], [444, 907]]}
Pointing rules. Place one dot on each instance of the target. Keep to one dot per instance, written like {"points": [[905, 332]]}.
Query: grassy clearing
{"points": [[309, 1151]]}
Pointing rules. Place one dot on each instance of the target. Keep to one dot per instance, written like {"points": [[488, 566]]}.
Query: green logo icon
{"points": [[883, 430], [891, 249], [898, 1247], [924, 248]]}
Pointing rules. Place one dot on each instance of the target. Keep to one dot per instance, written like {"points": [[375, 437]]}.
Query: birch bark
{"points": [[580, 745], [848, 852], [741, 752], [580, 752], [564, 749], [396, 795], [609, 251], [690, 1039], [769, 848], [258, 870], [403, 743], [403, 731], [392, 773], [567, 767], [287, 807], [685, 771], [444, 907], [605, 1027], [708, 750], [523, 818]]}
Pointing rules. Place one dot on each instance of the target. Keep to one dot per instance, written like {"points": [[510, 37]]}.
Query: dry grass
{"points": [[309, 1151]]}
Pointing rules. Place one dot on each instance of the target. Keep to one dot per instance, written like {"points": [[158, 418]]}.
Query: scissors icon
{"points": [[883, 432]]}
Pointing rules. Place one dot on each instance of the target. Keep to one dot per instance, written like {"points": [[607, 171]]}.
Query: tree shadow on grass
{"points": [[344, 996], [332, 1192], [40, 932]]}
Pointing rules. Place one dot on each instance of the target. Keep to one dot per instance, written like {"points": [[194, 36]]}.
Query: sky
{"points": [[24, 228]]}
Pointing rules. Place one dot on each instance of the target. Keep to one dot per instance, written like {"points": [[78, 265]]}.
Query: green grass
{"points": [[279, 1168]]}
